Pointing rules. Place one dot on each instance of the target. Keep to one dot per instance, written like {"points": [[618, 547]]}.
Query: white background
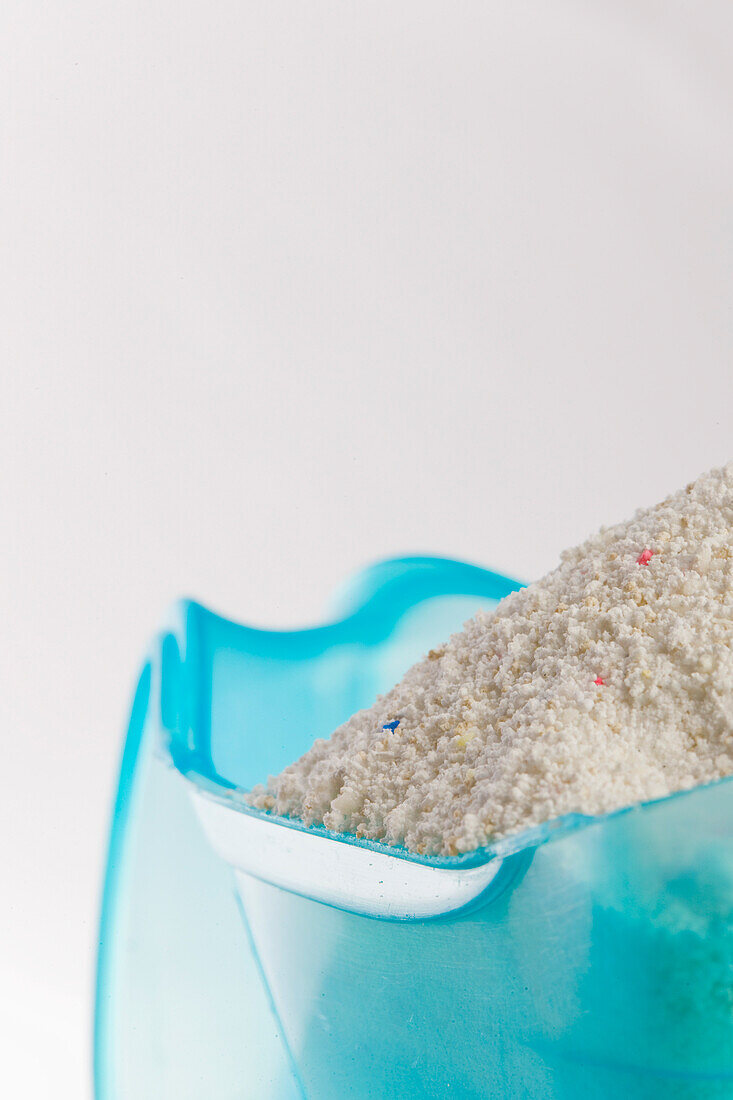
{"points": [[289, 287]]}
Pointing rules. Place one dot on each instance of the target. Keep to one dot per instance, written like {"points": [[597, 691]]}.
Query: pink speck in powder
{"points": [[645, 557]]}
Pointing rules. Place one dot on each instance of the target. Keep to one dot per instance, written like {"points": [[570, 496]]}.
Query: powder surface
{"points": [[608, 682]]}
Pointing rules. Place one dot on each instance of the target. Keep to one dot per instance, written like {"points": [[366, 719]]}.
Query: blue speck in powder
{"points": [[391, 725]]}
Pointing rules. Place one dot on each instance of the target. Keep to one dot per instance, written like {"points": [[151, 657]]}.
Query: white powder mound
{"points": [[608, 682]]}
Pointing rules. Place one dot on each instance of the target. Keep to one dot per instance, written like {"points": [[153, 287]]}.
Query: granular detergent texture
{"points": [[606, 683]]}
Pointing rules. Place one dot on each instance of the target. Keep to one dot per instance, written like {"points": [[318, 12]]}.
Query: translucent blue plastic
{"points": [[242, 956]]}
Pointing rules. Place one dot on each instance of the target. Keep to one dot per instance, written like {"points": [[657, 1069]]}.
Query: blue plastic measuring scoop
{"points": [[242, 955]]}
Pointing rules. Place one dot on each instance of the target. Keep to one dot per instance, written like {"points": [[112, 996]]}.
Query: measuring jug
{"points": [[245, 956]]}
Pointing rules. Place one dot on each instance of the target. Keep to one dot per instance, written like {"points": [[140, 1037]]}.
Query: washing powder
{"points": [[608, 682]]}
